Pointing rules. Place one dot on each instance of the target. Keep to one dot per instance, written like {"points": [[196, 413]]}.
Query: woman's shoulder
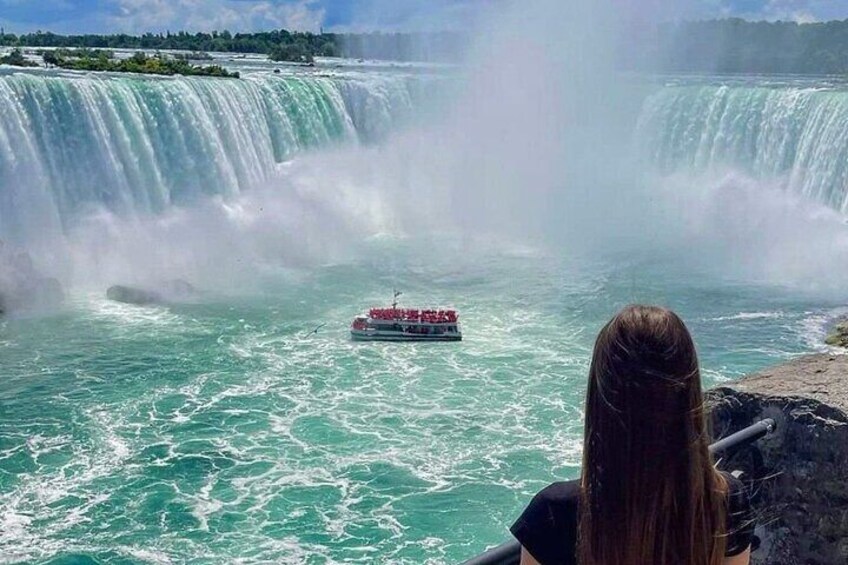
{"points": [[548, 526], [563, 492], [554, 505]]}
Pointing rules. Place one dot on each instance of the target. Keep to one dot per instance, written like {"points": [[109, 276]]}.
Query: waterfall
{"points": [[138, 145], [74, 144], [794, 135]]}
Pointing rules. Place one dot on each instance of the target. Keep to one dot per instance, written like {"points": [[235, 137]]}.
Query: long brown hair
{"points": [[650, 492]]}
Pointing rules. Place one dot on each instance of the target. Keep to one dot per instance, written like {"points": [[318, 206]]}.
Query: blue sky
{"points": [[69, 16]]}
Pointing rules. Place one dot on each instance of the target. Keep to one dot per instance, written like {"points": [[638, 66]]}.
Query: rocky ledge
{"points": [[799, 475]]}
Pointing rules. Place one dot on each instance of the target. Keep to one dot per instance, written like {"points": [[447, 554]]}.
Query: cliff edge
{"points": [[799, 475]]}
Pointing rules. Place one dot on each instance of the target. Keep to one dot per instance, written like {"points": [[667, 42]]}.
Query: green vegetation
{"points": [[739, 46], [281, 44], [17, 59], [60, 57], [293, 52], [838, 337], [195, 56], [717, 46], [100, 60]]}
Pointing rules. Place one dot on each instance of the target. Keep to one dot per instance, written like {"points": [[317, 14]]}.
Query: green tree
{"points": [[16, 58]]}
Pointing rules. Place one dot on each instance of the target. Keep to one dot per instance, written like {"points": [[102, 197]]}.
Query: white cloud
{"points": [[137, 16]]}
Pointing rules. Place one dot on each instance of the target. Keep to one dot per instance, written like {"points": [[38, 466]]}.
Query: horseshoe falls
{"points": [[794, 134], [223, 429], [69, 144]]}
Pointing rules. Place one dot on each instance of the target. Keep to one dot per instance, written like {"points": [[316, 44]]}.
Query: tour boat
{"points": [[406, 324]]}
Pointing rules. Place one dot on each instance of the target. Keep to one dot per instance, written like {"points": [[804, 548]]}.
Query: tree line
{"points": [[715, 46], [279, 45], [101, 60], [740, 46], [307, 44]]}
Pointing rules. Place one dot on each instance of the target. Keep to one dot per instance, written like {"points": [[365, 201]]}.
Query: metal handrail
{"points": [[509, 553]]}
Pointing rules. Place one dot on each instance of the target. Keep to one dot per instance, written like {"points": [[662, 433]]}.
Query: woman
{"points": [[649, 493]]}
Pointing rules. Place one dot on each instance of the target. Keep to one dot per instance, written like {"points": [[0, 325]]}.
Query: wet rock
{"points": [[132, 295], [800, 473], [838, 337], [166, 292]]}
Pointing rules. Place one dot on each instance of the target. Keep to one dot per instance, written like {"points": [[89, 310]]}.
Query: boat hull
{"points": [[379, 336]]}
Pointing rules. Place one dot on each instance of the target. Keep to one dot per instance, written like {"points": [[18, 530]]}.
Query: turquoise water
{"points": [[221, 430]]}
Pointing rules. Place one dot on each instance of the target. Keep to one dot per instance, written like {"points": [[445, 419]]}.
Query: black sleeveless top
{"points": [[548, 526]]}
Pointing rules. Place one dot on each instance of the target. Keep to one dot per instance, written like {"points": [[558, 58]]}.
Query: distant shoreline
{"points": [[278, 45], [724, 46], [98, 60], [736, 46]]}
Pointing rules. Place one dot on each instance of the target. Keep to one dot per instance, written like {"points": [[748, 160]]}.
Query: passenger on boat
{"points": [[649, 493]]}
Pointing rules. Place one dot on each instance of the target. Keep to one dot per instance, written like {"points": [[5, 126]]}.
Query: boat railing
{"points": [[509, 553]]}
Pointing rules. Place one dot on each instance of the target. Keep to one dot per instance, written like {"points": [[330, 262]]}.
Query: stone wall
{"points": [[799, 474]]}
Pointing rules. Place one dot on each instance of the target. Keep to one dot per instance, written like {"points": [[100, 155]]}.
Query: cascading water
{"points": [[794, 136], [69, 144]]}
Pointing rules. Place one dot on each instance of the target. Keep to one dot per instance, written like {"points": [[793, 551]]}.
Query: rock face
{"points": [[131, 295], [838, 337], [166, 292], [800, 473]]}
